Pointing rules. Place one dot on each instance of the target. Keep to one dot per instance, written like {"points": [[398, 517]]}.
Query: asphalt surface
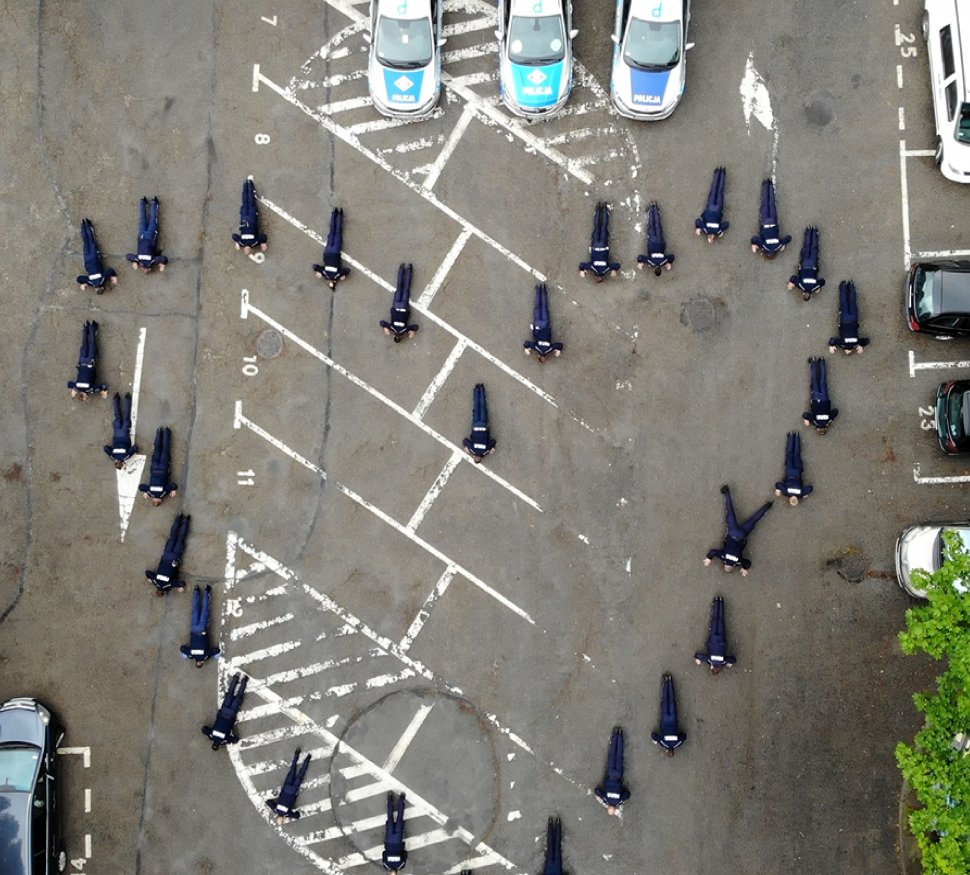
{"points": [[571, 578]]}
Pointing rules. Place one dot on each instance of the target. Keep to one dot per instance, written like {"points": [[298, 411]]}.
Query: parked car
{"points": [[953, 416], [938, 299], [31, 837], [946, 29], [649, 57], [535, 55], [404, 64], [923, 547]]}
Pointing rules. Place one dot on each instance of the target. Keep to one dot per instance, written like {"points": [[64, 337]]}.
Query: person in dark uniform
{"points": [[792, 486], [158, 486], [198, 648], [822, 414], [542, 344], [332, 270], [399, 326], [395, 855], [736, 537], [807, 278], [769, 240], [848, 340], [249, 237], [86, 383], [599, 263], [668, 736], [657, 257], [97, 274], [481, 443], [613, 793], [148, 255], [284, 805], [717, 654], [711, 221], [222, 730], [553, 864], [166, 576], [121, 449]]}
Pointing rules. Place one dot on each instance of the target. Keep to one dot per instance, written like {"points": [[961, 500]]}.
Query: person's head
{"points": [[397, 338], [541, 359], [656, 271], [156, 501], [599, 278], [199, 663], [728, 568], [159, 592], [280, 820], [715, 668], [670, 751], [822, 431], [793, 500], [858, 349], [119, 465], [215, 745], [611, 810]]}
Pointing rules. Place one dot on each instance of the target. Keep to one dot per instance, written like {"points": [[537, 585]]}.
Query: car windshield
{"points": [[18, 768], [925, 283], [963, 124], [652, 45], [538, 40], [404, 43]]}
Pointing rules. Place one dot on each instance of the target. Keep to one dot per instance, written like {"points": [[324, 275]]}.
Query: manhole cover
{"points": [[852, 567], [698, 314], [820, 108], [269, 344]]}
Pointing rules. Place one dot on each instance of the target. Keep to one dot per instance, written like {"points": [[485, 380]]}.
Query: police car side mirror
{"points": [[688, 47], [615, 39], [573, 34], [441, 42], [498, 34], [366, 37]]}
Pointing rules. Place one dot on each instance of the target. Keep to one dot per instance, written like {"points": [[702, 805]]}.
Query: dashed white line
{"points": [[899, 75], [902, 118]]}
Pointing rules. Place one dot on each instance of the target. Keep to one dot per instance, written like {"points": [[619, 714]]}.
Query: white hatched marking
{"points": [[339, 106], [438, 381], [259, 711], [293, 674], [475, 78], [266, 766], [271, 736], [382, 680], [378, 788], [399, 749], [482, 50], [433, 837], [475, 863], [471, 26], [335, 832], [258, 626], [237, 662]]}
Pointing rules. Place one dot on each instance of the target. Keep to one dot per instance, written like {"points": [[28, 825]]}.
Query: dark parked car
{"points": [[938, 298], [953, 417], [31, 840]]}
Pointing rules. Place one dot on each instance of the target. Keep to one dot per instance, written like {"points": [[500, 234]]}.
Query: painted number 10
{"points": [[249, 368]]}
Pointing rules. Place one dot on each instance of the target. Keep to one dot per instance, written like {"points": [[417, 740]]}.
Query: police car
{"points": [[535, 55], [650, 57], [404, 68]]}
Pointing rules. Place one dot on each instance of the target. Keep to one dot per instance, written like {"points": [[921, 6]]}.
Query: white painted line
{"points": [[378, 788], [336, 832], [238, 662], [129, 476], [264, 767], [902, 119], [474, 863], [314, 808], [453, 139], [271, 736], [439, 590], [399, 749], [337, 130], [362, 858], [899, 75], [937, 480], [427, 296], [475, 78], [388, 124], [429, 498], [87, 800], [393, 405], [473, 25], [258, 712], [136, 379], [87, 846], [915, 366], [439, 380], [253, 628], [293, 674], [904, 191], [920, 153], [83, 752], [374, 683], [413, 537], [944, 253], [338, 106]]}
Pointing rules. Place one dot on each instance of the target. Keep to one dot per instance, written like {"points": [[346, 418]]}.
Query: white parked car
{"points": [[923, 547], [535, 55], [649, 57], [946, 29], [404, 67]]}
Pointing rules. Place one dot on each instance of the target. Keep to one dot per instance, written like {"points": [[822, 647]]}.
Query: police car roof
{"points": [[407, 9], [532, 8], [656, 10]]}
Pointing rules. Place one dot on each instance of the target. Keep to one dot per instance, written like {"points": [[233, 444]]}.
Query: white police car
{"points": [[404, 68], [650, 57], [535, 55]]}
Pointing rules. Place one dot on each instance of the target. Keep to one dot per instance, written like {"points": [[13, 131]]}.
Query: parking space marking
{"points": [[399, 749], [915, 366], [253, 628], [433, 317], [904, 192], [434, 490], [456, 134], [919, 153], [899, 75], [129, 475], [943, 253], [418, 624], [438, 381], [321, 356], [447, 263], [85, 754], [936, 480]]}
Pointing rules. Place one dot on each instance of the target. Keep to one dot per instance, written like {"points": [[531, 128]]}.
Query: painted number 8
{"points": [[261, 139]]}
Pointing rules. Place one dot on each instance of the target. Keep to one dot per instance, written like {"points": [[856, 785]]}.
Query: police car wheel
{"points": [[926, 28], [939, 151]]}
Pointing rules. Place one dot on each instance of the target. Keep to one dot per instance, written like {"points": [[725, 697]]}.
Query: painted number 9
{"points": [[261, 139]]}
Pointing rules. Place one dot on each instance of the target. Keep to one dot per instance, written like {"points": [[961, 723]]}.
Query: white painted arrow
{"points": [[755, 101], [130, 475]]}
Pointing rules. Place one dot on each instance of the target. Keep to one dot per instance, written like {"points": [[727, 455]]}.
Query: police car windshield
{"points": [[536, 40], [18, 767], [652, 45], [404, 43]]}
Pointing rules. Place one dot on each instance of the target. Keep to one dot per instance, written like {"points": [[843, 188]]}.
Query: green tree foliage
{"points": [[939, 774]]}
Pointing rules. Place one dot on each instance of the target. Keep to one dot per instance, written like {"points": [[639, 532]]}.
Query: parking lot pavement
{"points": [[469, 634]]}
